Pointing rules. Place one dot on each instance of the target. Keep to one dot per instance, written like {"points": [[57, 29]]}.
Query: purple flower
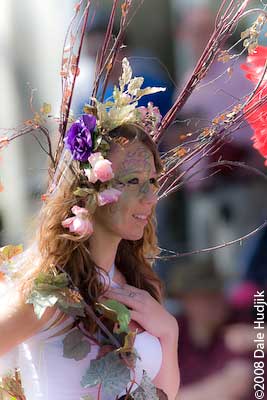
{"points": [[79, 137]]}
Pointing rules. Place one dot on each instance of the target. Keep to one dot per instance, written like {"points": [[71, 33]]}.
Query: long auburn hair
{"points": [[134, 259]]}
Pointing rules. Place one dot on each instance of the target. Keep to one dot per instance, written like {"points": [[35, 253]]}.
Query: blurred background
{"points": [[211, 294]]}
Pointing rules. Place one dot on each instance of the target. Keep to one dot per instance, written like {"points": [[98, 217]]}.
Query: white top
{"points": [[47, 375]]}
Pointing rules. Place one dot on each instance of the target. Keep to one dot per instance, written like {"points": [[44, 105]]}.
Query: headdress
{"points": [[88, 141], [82, 144], [88, 135]]}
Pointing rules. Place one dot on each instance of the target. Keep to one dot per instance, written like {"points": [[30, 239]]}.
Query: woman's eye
{"points": [[153, 181], [120, 184], [133, 181]]}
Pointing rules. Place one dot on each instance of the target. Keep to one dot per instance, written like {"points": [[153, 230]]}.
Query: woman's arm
{"points": [[18, 321], [153, 317], [168, 378]]}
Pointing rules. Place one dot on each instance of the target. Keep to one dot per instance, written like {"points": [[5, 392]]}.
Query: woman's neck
{"points": [[103, 248]]}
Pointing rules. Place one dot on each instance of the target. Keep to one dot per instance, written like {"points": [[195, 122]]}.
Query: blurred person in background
{"points": [[222, 203], [214, 347]]}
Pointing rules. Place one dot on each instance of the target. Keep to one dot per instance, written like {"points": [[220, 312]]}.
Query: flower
{"points": [[143, 112], [257, 118], [150, 116], [79, 224], [79, 137], [260, 142], [108, 196], [256, 65], [101, 168]]}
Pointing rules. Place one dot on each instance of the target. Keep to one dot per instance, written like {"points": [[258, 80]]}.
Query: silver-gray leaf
{"points": [[75, 345], [110, 371]]}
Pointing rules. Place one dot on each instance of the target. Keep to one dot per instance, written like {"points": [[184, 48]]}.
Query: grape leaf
{"points": [[41, 302], [51, 281], [109, 371], [75, 345], [117, 312], [50, 289], [128, 346], [68, 306], [146, 389]]}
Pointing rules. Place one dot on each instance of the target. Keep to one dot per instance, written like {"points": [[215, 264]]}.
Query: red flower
{"points": [[257, 118], [256, 65]]}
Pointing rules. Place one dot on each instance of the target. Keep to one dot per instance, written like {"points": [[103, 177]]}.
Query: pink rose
{"points": [[94, 157], [91, 175], [108, 196], [101, 168], [79, 224]]}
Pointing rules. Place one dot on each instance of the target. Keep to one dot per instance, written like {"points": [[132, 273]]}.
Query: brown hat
{"points": [[194, 276]]}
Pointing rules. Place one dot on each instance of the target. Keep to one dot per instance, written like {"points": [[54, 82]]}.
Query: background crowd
{"points": [[211, 294]]}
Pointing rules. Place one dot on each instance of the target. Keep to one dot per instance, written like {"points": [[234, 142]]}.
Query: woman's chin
{"points": [[134, 235]]}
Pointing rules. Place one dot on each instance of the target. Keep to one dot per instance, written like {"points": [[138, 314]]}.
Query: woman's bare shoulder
{"points": [[18, 320]]}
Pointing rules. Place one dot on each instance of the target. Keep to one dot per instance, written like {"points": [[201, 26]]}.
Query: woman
{"points": [[105, 251]]}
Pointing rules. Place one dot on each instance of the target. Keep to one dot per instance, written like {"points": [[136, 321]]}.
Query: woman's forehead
{"points": [[133, 158]]}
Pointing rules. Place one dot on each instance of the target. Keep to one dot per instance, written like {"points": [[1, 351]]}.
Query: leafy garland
{"points": [[111, 371]]}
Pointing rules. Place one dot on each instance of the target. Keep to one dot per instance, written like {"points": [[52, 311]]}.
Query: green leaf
{"points": [[41, 302], [149, 90], [85, 165], [135, 85], [75, 345], [50, 289], [88, 109], [146, 389], [117, 312], [97, 142], [126, 73], [128, 346], [68, 306], [110, 371], [83, 192], [51, 281]]}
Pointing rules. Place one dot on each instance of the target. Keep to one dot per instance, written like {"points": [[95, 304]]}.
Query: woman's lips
{"points": [[141, 218]]}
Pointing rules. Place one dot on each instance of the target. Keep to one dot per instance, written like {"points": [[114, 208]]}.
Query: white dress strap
{"points": [[52, 328], [51, 320]]}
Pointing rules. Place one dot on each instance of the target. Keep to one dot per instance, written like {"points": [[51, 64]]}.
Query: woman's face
{"points": [[136, 177]]}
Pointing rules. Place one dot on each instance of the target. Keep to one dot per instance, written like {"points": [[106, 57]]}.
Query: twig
{"points": [[91, 313], [209, 249], [219, 36]]}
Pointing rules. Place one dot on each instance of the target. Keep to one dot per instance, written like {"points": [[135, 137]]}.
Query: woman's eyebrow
{"points": [[136, 170]]}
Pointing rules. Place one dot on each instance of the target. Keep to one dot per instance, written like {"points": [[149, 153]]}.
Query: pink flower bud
{"points": [[91, 175], [143, 111], [103, 170], [94, 157], [80, 224], [108, 196]]}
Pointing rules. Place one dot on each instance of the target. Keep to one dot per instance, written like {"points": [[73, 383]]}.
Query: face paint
{"points": [[135, 177], [137, 174]]}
